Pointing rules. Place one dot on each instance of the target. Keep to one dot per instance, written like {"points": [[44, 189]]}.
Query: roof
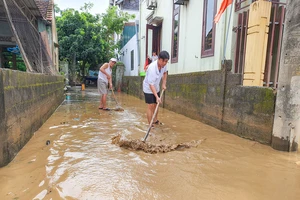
{"points": [[126, 4], [46, 8], [38, 8]]}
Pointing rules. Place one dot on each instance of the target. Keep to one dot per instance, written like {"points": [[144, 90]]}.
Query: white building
{"points": [[186, 29], [129, 52]]}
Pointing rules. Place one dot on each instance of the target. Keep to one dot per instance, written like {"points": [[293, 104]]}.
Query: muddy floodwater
{"points": [[72, 157]]}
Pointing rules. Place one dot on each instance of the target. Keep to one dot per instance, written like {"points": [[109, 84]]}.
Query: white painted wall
{"points": [[190, 36], [132, 44], [126, 59]]}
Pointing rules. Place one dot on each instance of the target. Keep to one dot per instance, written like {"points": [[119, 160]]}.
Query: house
{"points": [[185, 28], [224, 74], [28, 36], [129, 52], [28, 42]]}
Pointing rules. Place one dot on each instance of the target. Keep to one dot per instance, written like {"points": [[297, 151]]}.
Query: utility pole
{"points": [[286, 128]]}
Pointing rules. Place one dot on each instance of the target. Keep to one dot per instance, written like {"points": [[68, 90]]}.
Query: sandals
{"points": [[157, 122], [106, 109]]}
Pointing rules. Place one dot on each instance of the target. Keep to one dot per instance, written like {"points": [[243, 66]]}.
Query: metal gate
{"points": [[274, 41]]}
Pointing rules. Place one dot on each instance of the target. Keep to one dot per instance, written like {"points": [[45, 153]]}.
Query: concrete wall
{"points": [[26, 102], [248, 112], [133, 85], [244, 111]]}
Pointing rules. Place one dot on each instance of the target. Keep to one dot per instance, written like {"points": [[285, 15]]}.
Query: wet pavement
{"points": [[72, 157]]}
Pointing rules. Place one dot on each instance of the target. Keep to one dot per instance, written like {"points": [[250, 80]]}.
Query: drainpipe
{"points": [[137, 42], [138, 36]]}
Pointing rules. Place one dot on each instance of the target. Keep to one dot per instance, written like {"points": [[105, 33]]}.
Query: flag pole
{"points": [[226, 40]]}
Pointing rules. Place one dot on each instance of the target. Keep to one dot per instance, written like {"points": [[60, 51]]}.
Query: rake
{"points": [[156, 109], [119, 108]]}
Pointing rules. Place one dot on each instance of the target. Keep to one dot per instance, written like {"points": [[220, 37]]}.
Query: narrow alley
{"points": [[72, 157]]}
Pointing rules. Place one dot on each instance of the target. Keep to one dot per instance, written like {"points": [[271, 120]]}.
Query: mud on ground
{"points": [[139, 145]]}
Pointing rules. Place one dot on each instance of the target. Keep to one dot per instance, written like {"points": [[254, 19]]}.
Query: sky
{"points": [[100, 6]]}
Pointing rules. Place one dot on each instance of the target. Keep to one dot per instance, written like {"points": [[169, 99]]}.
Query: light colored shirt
{"points": [[154, 58], [103, 76], [153, 77]]}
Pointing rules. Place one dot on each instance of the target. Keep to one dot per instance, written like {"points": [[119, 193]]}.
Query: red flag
{"points": [[224, 5]]}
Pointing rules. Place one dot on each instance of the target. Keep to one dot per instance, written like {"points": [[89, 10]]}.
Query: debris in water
{"points": [[136, 144], [118, 109]]}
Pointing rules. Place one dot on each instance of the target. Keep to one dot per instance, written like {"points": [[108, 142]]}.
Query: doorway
{"points": [[153, 40]]}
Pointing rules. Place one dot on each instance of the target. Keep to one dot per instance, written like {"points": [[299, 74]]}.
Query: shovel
{"points": [[156, 109], [119, 108]]}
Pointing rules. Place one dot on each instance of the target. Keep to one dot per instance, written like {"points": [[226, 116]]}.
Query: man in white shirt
{"points": [[104, 78], [156, 71]]}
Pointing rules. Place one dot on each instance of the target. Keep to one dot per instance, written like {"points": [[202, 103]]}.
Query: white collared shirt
{"points": [[153, 77]]}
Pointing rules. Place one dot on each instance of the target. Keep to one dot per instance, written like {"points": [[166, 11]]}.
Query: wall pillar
{"points": [[119, 75], [286, 129]]}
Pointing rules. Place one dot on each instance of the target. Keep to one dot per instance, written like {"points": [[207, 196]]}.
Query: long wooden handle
{"points": [[156, 109], [112, 90]]}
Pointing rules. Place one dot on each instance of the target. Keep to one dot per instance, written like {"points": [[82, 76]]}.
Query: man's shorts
{"points": [[102, 87], [150, 98]]}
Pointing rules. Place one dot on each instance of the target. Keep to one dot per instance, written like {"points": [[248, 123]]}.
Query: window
{"points": [[175, 34], [132, 59], [208, 28]]}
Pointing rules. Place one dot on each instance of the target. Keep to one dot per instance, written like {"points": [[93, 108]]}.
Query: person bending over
{"points": [[156, 72], [105, 81]]}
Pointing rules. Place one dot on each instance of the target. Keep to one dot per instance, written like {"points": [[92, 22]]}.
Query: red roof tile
{"points": [[46, 8]]}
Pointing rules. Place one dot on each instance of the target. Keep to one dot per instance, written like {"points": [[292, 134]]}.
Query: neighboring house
{"points": [[28, 28], [223, 74], [185, 28], [129, 52]]}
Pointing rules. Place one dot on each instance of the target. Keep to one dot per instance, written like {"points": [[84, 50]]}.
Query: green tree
{"points": [[85, 39]]}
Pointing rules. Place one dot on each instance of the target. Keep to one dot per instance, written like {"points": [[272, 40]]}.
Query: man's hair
{"points": [[164, 55]]}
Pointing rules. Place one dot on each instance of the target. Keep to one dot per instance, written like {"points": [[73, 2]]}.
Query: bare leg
{"points": [[101, 104], [150, 111], [103, 99], [155, 118]]}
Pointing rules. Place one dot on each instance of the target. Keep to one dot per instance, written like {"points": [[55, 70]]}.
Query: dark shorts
{"points": [[150, 98]]}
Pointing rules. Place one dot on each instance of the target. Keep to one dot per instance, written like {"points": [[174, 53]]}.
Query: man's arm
{"points": [[164, 83], [110, 83], [152, 87]]}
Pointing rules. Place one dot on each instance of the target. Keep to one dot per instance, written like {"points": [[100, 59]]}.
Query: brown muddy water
{"points": [[82, 163]]}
